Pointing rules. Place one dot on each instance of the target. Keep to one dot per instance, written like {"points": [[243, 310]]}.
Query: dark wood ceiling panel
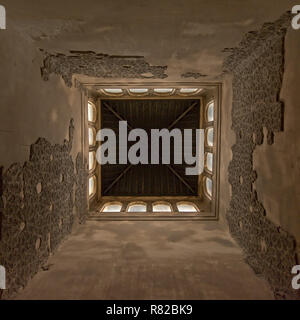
{"points": [[149, 180]]}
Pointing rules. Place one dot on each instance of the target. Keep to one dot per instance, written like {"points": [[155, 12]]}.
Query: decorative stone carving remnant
{"points": [[99, 65], [257, 66], [37, 209]]}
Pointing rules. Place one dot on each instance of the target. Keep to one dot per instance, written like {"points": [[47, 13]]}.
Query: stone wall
{"points": [[257, 66]]}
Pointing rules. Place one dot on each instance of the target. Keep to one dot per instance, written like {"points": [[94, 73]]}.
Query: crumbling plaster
{"points": [[32, 223], [257, 66], [81, 27], [99, 65], [40, 201], [186, 36], [278, 167]]}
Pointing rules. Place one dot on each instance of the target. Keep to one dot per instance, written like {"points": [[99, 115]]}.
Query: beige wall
{"points": [[30, 107], [227, 141], [278, 166]]}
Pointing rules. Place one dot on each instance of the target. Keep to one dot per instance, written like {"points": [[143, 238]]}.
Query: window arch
{"points": [[92, 186], [92, 160], [208, 187], [164, 91], [210, 111], [210, 137], [92, 112], [137, 207], [112, 207], [209, 161], [139, 90], [114, 90], [161, 207], [186, 207], [92, 136], [188, 90]]}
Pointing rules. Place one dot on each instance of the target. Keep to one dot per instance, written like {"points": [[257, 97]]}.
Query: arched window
{"points": [[92, 160], [112, 207], [92, 112], [210, 137], [208, 187], [161, 207], [210, 111], [186, 207], [163, 90], [209, 161], [139, 90], [92, 186], [92, 136], [113, 90], [137, 207], [188, 90]]}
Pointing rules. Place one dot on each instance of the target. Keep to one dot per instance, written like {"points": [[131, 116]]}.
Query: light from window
{"points": [[113, 90], [112, 208], [92, 185], [210, 137], [188, 90], [137, 208], [208, 186], [138, 90], [186, 207], [92, 137], [91, 112], [161, 208], [209, 161], [210, 112], [92, 160], [163, 90]]}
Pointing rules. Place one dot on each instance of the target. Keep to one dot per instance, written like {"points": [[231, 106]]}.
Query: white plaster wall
{"points": [[30, 107]]}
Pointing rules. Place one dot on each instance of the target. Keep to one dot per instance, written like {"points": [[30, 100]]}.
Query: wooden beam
{"points": [[115, 113], [180, 178], [182, 115], [117, 179]]}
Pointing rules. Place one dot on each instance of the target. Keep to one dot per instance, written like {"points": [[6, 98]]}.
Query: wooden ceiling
{"points": [[149, 180]]}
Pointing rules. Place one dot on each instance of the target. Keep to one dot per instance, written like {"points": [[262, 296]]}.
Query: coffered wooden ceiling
{"points": [[149, 180]]}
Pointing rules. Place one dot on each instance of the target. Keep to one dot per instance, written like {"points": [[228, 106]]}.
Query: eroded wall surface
{"points": [[43, 172], [257, 66], [40, 200]]}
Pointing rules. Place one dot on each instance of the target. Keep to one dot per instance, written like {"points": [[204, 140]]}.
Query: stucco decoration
{"points": [[257, 66], [81, 202], [99, 65], [38, 209], [195, 75]]}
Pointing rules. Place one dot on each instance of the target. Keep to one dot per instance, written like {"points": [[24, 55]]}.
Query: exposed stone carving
{"points": [[38, 209], [195, 75], [257, 66], [99, 65], [81, 189]]}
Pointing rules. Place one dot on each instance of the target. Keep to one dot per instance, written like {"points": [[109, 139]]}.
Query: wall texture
{"points": [[99, 65], [257, 66], [40, 200], [43, 185]]}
